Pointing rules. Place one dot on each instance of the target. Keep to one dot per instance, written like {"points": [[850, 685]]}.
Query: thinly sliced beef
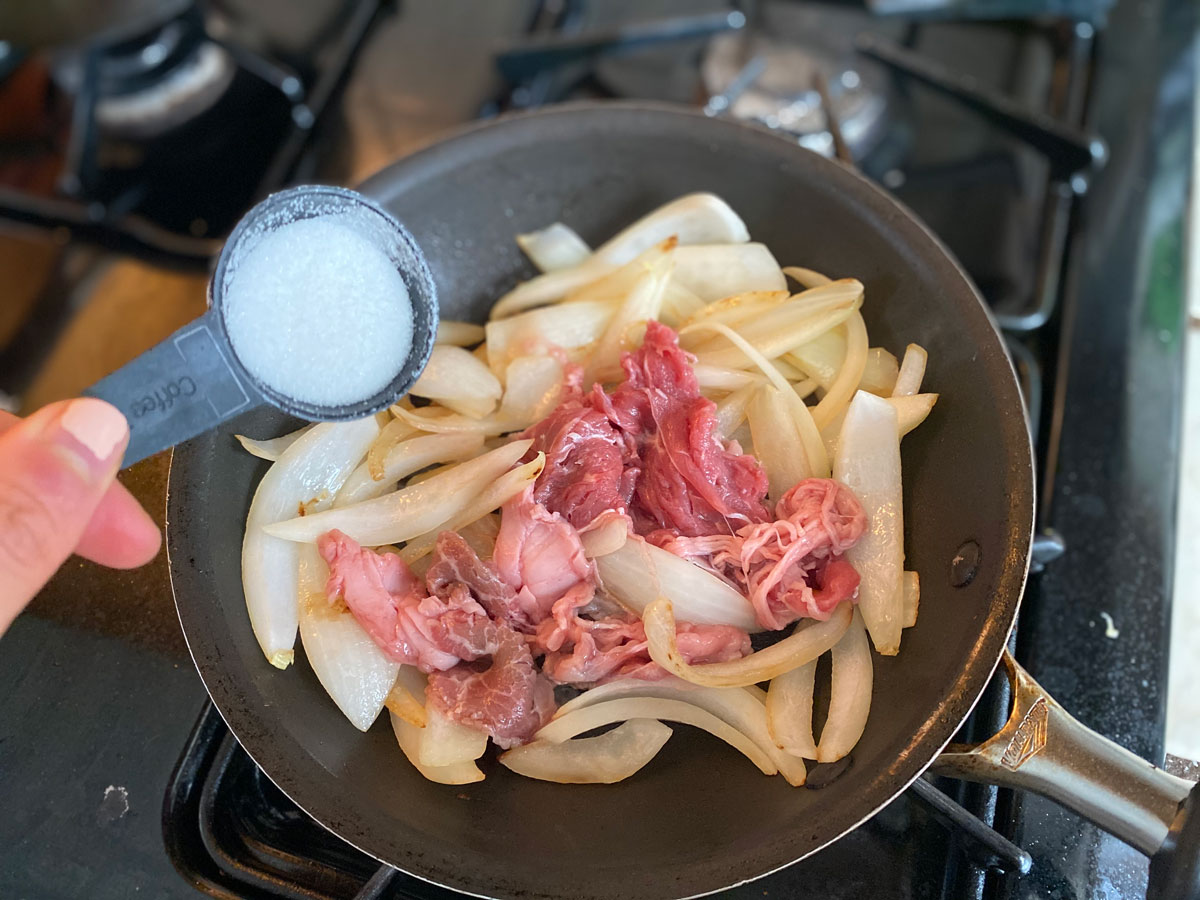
{"points": [[390, 603], [583, 651], [591, 465], [650, 449], [791, 567], [455, 562], [510, 700], [690, 482], [538, 554], [442, 635]]}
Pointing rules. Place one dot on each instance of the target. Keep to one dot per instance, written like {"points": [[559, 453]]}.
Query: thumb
{"points": [[55, 466]]}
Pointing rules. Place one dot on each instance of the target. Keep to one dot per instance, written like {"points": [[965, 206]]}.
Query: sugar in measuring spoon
{"points": [[321, 304]]}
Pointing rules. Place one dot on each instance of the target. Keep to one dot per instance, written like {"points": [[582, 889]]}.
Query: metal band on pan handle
{"points": [[1044, 749]]}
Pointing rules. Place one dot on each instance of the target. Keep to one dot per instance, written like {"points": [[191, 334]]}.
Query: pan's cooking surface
{"points": [[698, 818]]}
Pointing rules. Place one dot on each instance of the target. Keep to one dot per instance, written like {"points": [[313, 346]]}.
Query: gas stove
{"points": [[1049, 154]]}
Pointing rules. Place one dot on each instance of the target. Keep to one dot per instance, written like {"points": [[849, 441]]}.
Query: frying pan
{"points": [[698, 818]]}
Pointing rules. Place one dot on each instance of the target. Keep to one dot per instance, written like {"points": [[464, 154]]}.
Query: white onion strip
{"points": [[409, 738], [850, 696], [355, 673], [554, 247], [810, 436], [912, 371], [805, 644], [459, 334], [809, 278], [790, 710], [493, 497], [271, 449], [637, 573], [458, 380], [307, 476], [795, 323], [620, 710], [743, 708], [837, 397], [912, 598], [405, 458], [411, 511], [868, 462], [694, 219], [605, 759]]}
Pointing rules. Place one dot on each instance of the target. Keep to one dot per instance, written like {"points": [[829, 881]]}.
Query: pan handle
{"points": [[1044, 749]]}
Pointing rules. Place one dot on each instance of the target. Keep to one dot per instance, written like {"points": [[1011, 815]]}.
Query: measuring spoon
{"points": [[194, 381]]}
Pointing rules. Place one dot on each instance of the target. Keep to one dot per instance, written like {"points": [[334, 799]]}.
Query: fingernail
{"points": [[93, 431]]}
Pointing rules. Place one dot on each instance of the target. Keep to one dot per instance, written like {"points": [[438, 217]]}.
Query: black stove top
{"points": [[1081, 264]]}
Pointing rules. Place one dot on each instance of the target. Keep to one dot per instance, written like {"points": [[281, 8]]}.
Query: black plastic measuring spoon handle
{"points": [[178, 389]]}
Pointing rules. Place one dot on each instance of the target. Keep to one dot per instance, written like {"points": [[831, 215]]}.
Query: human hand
{"points": [[58, 495]]}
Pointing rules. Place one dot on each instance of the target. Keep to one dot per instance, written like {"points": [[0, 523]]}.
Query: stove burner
{"points": [[771, 81], [176, 131], [149, 84]]}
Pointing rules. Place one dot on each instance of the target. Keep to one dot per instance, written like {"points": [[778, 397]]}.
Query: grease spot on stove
{"points": [[113, 806]]}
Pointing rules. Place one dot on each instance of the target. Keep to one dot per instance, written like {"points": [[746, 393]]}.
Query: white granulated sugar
{"points": [[319, 313]]}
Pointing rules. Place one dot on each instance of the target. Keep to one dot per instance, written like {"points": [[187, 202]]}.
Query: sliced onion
{"points": [[445, 742], [868, 462], [850, 698], [392, 434], [356, 674], [533, 385], [822, 357], [271, 449], [307, 475], [809, 278], [780, 450], [804, 645], [693, 219], [536, 332], [880, 374], [814, 448], [492, 498], [640, 304], [912, 371], [606, 759], [737, 308], [554, 247], [795, 323], [402, 703], [743, 708], [720, 378], [912, 598], [411, 511], [563, 727], [679, 304], [715, 271], [787, 370], [912, 410], [458, 380], [460, 334], [409, 739], [638, 573], [805, 388], [854, 363], [790, 710], [734, 408], [605, 534], [405, 458]]}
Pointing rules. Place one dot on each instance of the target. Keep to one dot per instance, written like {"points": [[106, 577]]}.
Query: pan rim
{"points": [[963, 695]]}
